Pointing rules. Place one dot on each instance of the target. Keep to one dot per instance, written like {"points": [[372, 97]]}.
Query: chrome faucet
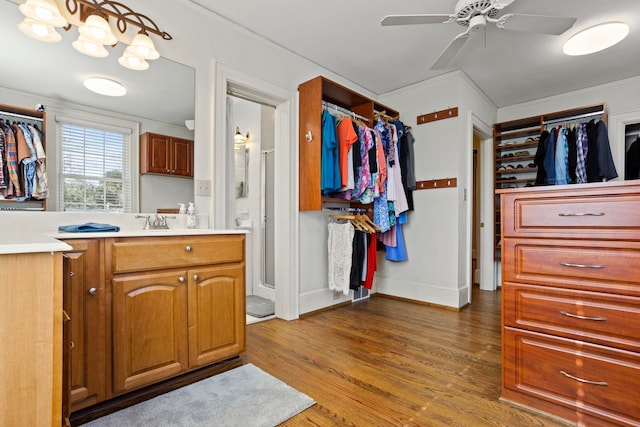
{"points": [[147, 224], [160, 222]]}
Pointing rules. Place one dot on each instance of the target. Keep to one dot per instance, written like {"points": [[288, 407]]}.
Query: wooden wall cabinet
{"points": [[86, 331], [166, 155], [178, 304], [311, 95], [571, 301], [515, 143]]}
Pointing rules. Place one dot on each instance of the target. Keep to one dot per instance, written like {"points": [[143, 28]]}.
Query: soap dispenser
{"points": [[182, 215], [191, 216]]}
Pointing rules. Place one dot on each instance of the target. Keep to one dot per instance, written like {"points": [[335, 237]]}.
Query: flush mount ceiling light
{"points": [[105, 87], [596, 38], [98, 20]]}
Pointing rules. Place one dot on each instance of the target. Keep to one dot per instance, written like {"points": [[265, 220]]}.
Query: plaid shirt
{"points": [[11, 160]]}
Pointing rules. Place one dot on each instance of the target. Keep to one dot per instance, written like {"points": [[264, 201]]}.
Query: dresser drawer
{"points": [[594, 380], [153, 253], [601, 212], [604, 265], [600, 318]]}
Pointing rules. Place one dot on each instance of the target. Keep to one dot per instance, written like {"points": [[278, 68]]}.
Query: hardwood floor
{"points": [[385, 362]]}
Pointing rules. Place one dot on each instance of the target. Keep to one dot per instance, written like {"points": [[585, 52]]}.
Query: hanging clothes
{"points": [[330, 179], [632, 164], [340, 245]]}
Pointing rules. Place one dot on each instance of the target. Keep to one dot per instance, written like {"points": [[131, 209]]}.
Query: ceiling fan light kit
{"points": [[98, 19], [596, 38], [474, 14]]}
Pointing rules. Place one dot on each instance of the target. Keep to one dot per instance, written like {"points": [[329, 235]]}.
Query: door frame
{"points": [[286, 177]]}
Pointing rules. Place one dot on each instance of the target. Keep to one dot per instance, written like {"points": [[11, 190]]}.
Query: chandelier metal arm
{"points": [[121, 12]]}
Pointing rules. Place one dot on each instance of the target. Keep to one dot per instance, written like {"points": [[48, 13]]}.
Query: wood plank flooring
{"points": [[386, 362]]}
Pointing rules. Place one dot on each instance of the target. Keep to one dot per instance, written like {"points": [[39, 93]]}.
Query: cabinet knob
{"points": [[71, 274], [308, 136], [92, 291], [181, 279], [188, 248], [196, 277]]}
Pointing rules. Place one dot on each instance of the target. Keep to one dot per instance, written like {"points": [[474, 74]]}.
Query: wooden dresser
{"points": [[571, 301]]}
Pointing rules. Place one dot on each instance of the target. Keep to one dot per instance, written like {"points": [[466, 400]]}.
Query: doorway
{"points": [[251, 130]]}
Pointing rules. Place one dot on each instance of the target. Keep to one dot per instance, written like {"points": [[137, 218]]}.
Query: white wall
{"points": [[438, 233]]}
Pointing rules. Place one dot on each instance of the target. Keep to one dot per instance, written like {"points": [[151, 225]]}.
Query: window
{"points": [[95, 168]]}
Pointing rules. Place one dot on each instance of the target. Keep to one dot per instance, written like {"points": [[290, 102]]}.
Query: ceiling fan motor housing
{"points": [[467, 10]]}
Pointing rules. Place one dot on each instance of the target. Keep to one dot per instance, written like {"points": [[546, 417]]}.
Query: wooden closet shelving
{"points": [[21, 114], [515, 144], [311, 95]]}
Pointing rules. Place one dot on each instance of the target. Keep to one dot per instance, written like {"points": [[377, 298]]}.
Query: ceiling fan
{"points": [[475, 14]]}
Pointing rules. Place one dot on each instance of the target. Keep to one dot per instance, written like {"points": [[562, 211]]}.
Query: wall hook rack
{"points": [[434, 184], [437, 115]]}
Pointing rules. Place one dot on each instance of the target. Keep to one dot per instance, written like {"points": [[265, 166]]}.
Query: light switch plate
{"points": [[203, 187]]}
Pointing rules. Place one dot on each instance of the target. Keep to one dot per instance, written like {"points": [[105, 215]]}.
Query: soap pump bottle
{"points": [[191, 216], [182, 215]]}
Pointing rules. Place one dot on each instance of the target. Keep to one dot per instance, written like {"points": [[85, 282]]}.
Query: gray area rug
{"points": [[260, 307], [242, 397]]}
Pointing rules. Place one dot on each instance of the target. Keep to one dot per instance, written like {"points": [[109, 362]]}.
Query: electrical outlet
{"points": [[203, 188]]}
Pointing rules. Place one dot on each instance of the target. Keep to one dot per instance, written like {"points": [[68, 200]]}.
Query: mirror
{"points": [[162, 94], [241, 171]]}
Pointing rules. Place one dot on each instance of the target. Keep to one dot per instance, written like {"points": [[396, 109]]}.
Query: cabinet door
{"points": [[181, 157], [155, 150], [216, 314], [150, 322], [85, 305]]}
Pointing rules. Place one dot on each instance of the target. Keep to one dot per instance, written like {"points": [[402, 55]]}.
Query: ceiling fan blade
{"points": [[501, 4], [415, 19], [554, 25], [447, 55]]}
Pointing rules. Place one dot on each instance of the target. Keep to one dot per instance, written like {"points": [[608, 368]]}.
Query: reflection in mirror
{"points": [[242, 171], [159, 99]]}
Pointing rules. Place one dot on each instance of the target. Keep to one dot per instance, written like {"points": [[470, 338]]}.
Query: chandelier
{"points": [[96, 18]]}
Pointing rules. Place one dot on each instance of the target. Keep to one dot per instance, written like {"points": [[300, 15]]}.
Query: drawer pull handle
{"points": [[577, 316], [583, 380], [568, 264], [582, 214], [188, 248], [181, 279]]}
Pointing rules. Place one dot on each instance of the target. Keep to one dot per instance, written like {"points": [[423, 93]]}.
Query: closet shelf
{"points": [[512, 136], [505, 147]]}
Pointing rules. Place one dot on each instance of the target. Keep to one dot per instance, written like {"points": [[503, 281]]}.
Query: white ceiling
{"points": [[346, 37]]}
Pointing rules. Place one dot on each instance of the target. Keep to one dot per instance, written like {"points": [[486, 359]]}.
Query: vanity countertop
{"points": [[25, 232], [15, 242]]}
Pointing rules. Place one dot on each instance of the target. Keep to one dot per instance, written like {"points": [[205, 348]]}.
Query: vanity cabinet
{"points": [[166, 155], [178, 304], [31, 331], [571, 301], [86, 326]]}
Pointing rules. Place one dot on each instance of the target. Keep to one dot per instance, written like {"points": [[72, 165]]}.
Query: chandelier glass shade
{"points": [[102, 22]]}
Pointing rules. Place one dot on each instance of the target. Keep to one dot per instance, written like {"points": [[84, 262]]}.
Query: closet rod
{"points": [[22, 116], [572, 118], [357, 210], [343, 110]]}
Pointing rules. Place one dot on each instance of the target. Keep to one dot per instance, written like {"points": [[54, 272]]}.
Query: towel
{"points": [[89, 227]]}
